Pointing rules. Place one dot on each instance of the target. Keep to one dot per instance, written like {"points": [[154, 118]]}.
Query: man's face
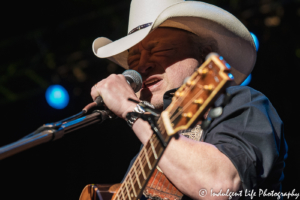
{"points": [[164, 59]]}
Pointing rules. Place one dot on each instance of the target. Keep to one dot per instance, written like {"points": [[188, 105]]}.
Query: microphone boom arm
{"points": [[53, 131]]}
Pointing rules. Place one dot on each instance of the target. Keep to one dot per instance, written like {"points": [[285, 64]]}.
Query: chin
{"points": [[158, 105], [156, 98], [157, 102]]}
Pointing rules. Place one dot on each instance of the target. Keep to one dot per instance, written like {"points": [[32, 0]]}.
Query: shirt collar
{"points": [[167, 98]]}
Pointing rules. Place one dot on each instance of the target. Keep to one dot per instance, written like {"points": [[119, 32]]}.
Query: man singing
{"points": [[243, 149]]}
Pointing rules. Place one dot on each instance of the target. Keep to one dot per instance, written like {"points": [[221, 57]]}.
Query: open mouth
{"points": [[151, 82]]}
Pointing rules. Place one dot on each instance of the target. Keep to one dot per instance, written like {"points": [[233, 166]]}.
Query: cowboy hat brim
{"points": [[234, 41]]}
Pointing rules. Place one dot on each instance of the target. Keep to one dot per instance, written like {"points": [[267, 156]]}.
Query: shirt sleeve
{"points": [[250, 134]]}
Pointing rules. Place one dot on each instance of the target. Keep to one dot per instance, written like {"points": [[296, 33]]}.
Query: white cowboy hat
{"points": [[234, 41]]}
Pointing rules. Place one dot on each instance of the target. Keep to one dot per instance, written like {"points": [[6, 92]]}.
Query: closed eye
{"points": [[161, 50], [133, 59]]}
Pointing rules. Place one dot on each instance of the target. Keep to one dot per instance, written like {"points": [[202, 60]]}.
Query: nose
{"points": [[145, 65]]}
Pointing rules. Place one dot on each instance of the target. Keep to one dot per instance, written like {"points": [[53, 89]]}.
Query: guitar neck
{"points": [[143, 167]]}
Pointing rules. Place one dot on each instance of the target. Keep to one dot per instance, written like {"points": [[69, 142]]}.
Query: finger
{"points": [[95, 91]]}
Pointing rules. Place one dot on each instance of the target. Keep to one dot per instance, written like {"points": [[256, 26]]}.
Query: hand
{"points": [[115, 92]]}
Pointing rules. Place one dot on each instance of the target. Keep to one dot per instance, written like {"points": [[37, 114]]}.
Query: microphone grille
{"points": [[136, 78]]}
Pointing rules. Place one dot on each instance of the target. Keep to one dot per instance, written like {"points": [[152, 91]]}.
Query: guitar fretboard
{"points": [[143, 167]]}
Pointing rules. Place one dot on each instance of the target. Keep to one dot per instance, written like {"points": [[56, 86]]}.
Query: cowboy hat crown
{"points": [[233, 39]]}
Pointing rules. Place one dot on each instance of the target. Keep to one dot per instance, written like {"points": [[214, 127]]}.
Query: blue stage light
{"points": [[57, 96], [255, 40], [247, 80]]}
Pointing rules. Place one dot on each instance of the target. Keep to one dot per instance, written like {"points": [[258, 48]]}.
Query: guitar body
{"points": [[158, 187]]}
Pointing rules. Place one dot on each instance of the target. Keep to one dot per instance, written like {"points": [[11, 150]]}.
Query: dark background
{"points": [[49, 42]]}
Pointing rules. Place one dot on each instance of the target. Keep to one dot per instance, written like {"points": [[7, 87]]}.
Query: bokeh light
{"points": [[57, 96], [247, 80]]}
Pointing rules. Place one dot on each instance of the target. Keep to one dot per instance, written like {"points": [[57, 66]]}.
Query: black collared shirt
{"points": [[250, 134]]}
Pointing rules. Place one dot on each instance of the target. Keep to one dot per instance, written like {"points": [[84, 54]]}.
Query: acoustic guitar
{"points": [[189, 104]]}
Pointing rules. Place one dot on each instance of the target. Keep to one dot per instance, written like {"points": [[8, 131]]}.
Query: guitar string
{"points": [[189, 102], [185, 107], [149, 152], [123, 189], [166, 188], [131, 176], [163, 187], [144, 163], [178, 101], [156, 142], [181, 98], [198, 77]]}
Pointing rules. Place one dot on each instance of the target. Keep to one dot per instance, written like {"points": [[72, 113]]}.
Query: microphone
{"points": [[133, 78]]}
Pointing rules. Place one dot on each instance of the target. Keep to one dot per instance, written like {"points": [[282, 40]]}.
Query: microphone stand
{"points": [[53, 131]]}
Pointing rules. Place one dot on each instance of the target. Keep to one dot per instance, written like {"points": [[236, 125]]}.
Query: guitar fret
{"points": [[122, 194], [147, 158], [142, 168], [128, 193], [153, 149], [132, 185], [137, 178], [149, 154]]}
